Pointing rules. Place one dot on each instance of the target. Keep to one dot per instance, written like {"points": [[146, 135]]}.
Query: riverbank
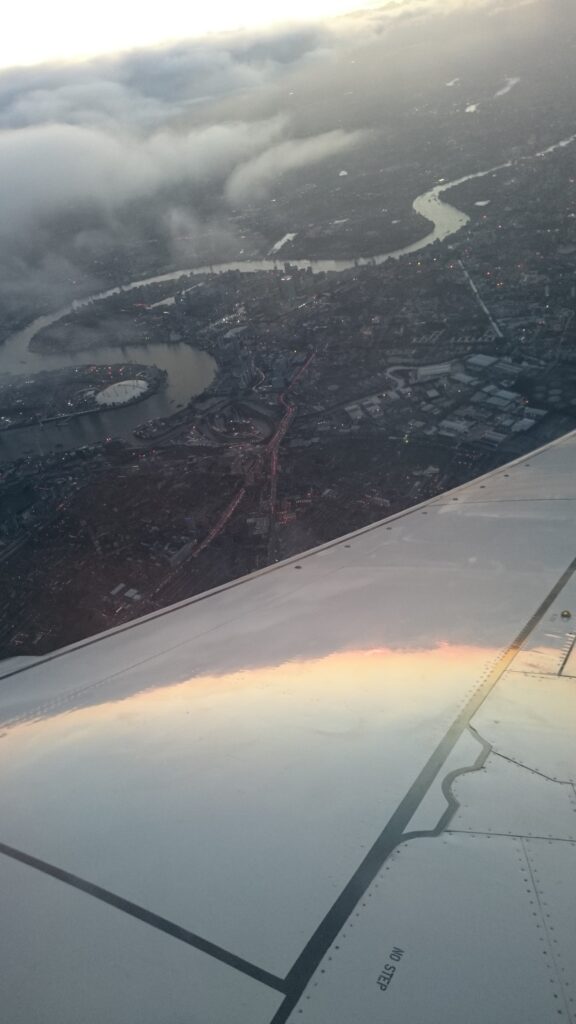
{"points": [[189, 372], [56, 396]]}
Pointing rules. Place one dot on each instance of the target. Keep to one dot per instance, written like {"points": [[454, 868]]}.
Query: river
{"points": [[190, 371]]}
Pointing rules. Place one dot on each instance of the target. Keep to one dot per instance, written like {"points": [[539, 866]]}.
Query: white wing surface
{"points": [[341, 790]]}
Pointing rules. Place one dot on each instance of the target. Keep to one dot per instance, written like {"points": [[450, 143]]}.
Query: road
{"points": [[480, 301], [563, 336], [220, 523], [273, 447], [171, 586]]}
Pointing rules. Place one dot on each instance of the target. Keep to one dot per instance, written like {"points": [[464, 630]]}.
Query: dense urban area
{"points": [[339, 395]]}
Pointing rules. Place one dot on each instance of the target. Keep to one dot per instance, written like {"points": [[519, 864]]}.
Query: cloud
{"points": [[252, 179], [101, 157], [143, 89], [52, 169], [400, 9], [49, 169], [97, 157], [46, 281], [68, 195]]}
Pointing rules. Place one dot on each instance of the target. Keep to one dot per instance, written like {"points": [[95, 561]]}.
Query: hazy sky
{"points": [[41, 31]]}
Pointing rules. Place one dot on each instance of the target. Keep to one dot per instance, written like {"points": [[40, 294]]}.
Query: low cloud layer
{"points": [[145, 89], [82, 145], [48, 169], [97, 158], [253, 178]]}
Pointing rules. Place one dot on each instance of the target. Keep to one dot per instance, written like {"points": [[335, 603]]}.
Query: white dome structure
{"points": [[121, 392]]}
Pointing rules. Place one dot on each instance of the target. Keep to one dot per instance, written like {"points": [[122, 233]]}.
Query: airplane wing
{"points": [[340, 791]]}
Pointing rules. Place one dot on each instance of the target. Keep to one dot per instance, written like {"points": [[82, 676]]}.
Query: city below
{"points": [[259, 406]]}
